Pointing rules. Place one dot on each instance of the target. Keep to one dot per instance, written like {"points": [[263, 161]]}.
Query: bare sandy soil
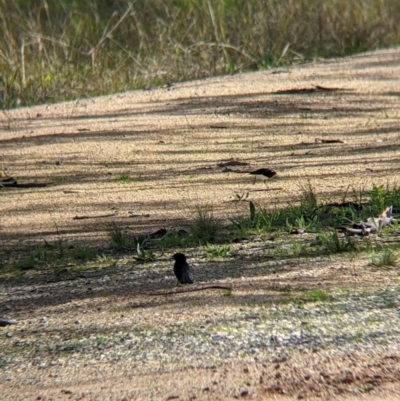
{"points": [[169, 146]]}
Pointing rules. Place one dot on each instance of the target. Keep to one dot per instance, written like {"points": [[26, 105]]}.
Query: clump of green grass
{"points": [[82, 252], [292, 216], [124, 179], [309, 198], [143, 254], [333, 243], [173, 239], [307, 296], [383, 196], [216, 251], [39, 257], [386, 258], [315, 296], [302, 223], [137, 244], [119, 240], [204, 226], [28, 263], [311, 215], [296, 249], [258, 221]]}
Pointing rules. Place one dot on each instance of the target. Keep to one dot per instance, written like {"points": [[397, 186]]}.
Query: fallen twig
{"points": [[96, 216], [267, 189]]}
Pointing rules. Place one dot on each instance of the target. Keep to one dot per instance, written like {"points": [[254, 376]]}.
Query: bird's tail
{"points": [[187, 278]]}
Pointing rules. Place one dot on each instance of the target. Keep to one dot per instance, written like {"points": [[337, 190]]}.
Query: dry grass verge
{"points": [[54, 51]]}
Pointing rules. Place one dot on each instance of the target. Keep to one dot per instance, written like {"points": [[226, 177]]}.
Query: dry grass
{"points": [[53, 51]]}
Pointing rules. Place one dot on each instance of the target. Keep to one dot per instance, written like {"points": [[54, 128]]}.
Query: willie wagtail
{"points": [[182, 270]]}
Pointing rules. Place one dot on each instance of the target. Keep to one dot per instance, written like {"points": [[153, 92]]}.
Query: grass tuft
{"points": [[118, 239], [332, 243], [204, 226], [124, 179], [386, 258], [215, 251], [83, 252]]}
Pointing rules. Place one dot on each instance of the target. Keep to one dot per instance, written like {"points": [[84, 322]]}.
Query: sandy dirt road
{"points": [[150, 158]]}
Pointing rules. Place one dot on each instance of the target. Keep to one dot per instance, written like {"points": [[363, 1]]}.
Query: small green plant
{"points": [[143, 254], [140, 240], [267, 220], [121, 241], [285, 289], [238, 197], [378, 196], [215, 251], [381, 197], [252, 210], [358, 336], [308, 296], [275, 252], [244, 225], [296, 248], [56, 246], [301, 223], [228, 292], [39, 257], [366, 388], [308, 201], [118, 239], [83, 253], [172, 239], [390, 304], [393, 228], [204, 226], [28, 263], [261, 220], [386, 258], [124, 179], [315, 296], [332, 243]]}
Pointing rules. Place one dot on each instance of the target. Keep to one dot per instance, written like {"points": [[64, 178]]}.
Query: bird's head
{"points": [[179, 257]]}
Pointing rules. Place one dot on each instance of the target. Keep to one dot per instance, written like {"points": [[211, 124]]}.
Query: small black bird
{"points": [[265, 172], [182, 270]]}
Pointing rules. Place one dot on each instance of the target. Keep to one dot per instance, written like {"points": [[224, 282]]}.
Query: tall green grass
{"points": [[66, 49]]}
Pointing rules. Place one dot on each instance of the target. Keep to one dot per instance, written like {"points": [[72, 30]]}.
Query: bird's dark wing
{"points": [[266, 172], [188, 274], [183, 272]]}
